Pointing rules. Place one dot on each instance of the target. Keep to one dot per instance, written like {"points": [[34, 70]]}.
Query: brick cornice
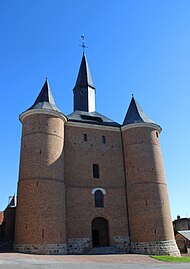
{"points": [[92, 126], [42, 111], [140, 125]]}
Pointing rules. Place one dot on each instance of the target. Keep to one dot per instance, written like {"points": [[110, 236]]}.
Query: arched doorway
{"points": [[100, 232]]}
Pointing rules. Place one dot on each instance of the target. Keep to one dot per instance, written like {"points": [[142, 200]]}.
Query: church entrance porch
{"points": [[100, 237]]}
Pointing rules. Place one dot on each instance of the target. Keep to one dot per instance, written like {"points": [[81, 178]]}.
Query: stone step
{"points": [[105, 251]]}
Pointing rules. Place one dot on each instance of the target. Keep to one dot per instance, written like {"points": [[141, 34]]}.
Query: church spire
{"points": [[84, 78], [84, 90]]}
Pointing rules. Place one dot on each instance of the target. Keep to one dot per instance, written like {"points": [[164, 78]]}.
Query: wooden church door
{"points": [[100, 232]]}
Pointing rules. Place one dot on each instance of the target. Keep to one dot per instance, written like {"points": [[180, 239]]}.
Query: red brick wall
{"points": [[1, 217], [79, 159], [8, 225], [55, 200], [40, 216], [149, 211], [182, 243]]}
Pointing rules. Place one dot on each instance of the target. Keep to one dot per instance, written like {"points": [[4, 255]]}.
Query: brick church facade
{"points": [[87, 181]]}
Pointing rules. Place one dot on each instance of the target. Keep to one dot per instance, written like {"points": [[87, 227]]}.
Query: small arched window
{"points": [[99, 198]]}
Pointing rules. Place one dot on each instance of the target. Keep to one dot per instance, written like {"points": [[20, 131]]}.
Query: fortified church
{"points": [[86, 181]]}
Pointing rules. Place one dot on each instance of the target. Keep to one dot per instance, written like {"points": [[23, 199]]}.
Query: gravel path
{"points": [[118, 259], [125, 261]]}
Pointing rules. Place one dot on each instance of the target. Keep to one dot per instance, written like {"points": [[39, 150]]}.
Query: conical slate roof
{"points": [[135, 114], [84, 77], [45, 99], [12, 201]]}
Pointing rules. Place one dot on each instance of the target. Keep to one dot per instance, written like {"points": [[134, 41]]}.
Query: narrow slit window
{"points": [[85, 137], [42, 233], [103, 139], [96, 173]]}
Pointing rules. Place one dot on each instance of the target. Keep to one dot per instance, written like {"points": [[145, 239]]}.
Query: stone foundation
{"points": [[49, 249], [122, 242], [156, 248], [78, 245]]}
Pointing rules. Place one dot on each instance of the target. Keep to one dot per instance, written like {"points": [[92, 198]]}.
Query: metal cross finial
{"points": [[83, 43]]}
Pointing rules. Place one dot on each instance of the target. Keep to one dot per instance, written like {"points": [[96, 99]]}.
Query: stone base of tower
{"points": [[47, 249], [78, 245], [156, 248], [122, 242]]}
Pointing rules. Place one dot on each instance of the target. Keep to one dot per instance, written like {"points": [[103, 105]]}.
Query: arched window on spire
{"points": [[99, 198]]}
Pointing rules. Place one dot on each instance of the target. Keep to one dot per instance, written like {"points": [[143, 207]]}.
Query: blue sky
{"points": [[134, 46]]}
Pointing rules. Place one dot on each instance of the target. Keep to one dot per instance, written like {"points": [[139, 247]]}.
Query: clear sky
{"points": [[134, 46]]}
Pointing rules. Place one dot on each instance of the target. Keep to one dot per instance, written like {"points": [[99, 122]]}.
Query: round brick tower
{"points": [[40, 214], [151, 230]]}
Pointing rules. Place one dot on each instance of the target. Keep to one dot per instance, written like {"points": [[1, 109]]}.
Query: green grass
{"points": [[171, 259]]}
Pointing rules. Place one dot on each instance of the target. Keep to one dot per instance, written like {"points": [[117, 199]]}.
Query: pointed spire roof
{"points": [[45, 99], [12, 201], [135, 114], [84, 77]]}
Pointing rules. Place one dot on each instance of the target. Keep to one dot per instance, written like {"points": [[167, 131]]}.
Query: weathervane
{"points": [[83, 43]]}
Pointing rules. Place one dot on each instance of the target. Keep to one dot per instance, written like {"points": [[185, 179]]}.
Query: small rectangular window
{"points": [[103, 139], [96, 171], [85, 137], [42, 233]]}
